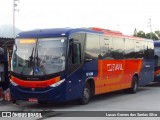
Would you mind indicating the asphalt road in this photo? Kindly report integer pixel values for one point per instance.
(146, 99)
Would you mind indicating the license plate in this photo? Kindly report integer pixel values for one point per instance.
(33, 100)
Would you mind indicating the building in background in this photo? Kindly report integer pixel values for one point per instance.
(6, 46)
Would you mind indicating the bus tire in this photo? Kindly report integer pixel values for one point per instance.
(134, 86)
(86, 95)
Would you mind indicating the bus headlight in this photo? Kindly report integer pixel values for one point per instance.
(13, 83)
(57, 83)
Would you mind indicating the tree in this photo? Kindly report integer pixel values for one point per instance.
(141, 34)
(135, 32)
(154, 36)
(157, 33)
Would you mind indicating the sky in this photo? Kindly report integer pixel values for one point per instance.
(121, 15)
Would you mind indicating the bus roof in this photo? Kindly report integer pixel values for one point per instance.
(61, 32)
(57, 32)
(108, 32)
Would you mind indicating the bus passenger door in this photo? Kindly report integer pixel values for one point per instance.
(75, 62)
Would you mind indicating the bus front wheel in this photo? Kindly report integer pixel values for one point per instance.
(86, 96)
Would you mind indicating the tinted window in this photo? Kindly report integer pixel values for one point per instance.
(78, 40)
(157, 55)
(106, 47)
(129, 48)
(150, 50)
(157, 51)
(76, 53)
(118, 45)
(76, 48)
(139, 49)
(92, 47)
(145, 50)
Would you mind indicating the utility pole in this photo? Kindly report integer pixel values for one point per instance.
(150, 26)
(15, 4)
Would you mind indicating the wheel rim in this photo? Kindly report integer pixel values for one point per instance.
(86, 94)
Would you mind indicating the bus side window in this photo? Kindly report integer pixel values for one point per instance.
(118, 45)
(76, 53)
(146, 53)
(105, 47)
(139, 49)
(150, 50)
(129, 49)
(74, 58)
(92, 50)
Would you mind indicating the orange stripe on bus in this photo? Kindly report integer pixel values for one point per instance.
(116, 74)
(35, 84)
(156, 72)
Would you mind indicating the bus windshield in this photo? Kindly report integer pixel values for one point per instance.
(39, 56)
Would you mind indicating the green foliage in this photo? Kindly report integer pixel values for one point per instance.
(157, 33)
(141, 34)
(153, 35)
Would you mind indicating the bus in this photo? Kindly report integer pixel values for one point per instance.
(157, 61)
(62, 64)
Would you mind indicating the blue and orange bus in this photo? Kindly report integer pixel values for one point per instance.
(157, 61)
(58, 65)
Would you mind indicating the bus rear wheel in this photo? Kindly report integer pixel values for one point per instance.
(86, 95)
(134, 86)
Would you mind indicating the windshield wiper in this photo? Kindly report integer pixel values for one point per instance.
(37, 58)
(31, 58)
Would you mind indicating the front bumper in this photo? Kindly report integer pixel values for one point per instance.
(48, 94)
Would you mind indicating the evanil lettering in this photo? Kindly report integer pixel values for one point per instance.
(114, 67)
